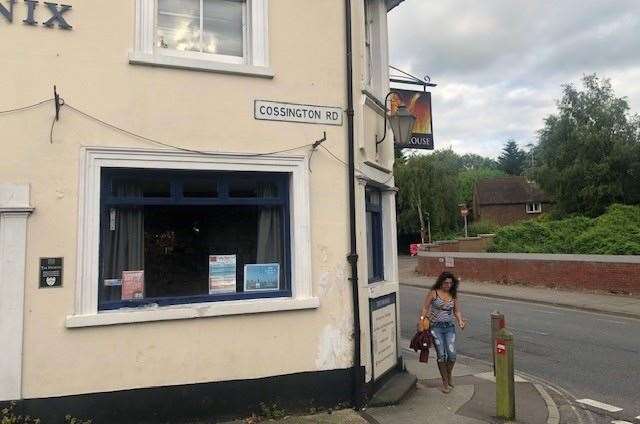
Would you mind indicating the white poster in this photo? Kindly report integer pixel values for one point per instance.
(383, 333)
(222, 274)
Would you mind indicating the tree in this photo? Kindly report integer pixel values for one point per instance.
(428, 185)
(588, 155)
(467, 178)
(512, 160)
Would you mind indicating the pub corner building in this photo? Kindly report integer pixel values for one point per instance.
(183, 222)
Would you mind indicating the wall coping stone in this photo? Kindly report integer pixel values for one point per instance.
(633, 259)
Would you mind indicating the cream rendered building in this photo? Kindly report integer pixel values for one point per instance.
(174, 246)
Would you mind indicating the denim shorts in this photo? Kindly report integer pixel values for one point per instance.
(444, 339)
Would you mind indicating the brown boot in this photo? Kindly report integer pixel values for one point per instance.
(442, 367)
(450, 365)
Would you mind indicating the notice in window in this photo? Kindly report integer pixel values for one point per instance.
(132, 285)
(261, 277)
(222, 274)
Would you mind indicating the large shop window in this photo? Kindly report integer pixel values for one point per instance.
(373, 204)
(173, 237)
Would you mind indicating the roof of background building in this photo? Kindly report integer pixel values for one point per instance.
(508, 191)
(393, 3)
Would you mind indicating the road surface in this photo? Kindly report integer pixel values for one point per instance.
(593, 356)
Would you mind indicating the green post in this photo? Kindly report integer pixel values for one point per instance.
(505, 387)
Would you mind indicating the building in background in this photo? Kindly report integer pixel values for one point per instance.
(506, 200)
(172, 242)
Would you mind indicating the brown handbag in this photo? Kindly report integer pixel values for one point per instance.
(424, 324)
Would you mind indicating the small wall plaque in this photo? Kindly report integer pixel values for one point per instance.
(51, 270)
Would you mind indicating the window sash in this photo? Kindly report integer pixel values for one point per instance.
(376, 255)
(246, 36)
(177, 179)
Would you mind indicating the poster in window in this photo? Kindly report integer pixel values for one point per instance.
(261, 277)
(418, 103)
(222, 274)
(132, 285)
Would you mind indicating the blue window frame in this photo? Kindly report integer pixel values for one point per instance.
(165, 225)
(373, 205)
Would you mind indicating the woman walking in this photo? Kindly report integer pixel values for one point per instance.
(442, 309)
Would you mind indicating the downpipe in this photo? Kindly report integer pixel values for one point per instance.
(358, 373)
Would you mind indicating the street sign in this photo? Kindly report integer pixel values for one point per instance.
(464, 212)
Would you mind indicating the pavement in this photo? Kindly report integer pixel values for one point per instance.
(472, 401)
(613, 304)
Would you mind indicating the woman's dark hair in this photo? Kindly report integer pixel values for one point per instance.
(454, 283)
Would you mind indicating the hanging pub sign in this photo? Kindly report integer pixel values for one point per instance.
(418, 103)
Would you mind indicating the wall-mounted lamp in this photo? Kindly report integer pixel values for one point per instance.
(401, 122)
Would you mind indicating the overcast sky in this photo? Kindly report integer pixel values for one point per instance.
(499, 64)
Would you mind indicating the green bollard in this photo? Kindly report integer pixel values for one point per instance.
(497, 323)
(505, 387)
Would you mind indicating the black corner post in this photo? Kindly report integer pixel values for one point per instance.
(352, 258)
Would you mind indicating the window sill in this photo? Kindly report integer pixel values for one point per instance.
(200, 310)
(136, 58)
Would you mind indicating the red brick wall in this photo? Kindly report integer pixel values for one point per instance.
(620, 277)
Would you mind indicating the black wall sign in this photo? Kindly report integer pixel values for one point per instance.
(56, 12)
(51, 270)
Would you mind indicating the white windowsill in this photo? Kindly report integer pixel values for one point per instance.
(136, 58)
(198, 310)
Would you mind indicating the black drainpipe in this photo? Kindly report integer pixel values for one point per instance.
(358, 374)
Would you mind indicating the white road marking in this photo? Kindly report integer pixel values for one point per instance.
(620, 422)
(638, 417)
(489, 376)
(541, 333)
(600, 405)
(610, 320)
(546, 312)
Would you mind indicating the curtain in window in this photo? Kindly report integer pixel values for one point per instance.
(269, 246)
(124, 243)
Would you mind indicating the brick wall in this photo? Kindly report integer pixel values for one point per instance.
(577, 272)
(470, 244)
(504, 214)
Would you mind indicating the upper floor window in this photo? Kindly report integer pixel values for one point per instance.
(216, 35)
(212, 27)
(375, 47)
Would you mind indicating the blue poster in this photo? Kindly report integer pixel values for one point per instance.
(261, 277)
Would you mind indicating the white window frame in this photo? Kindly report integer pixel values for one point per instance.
(376, 50)
(256, 45)
(86, 291)
(534, 207)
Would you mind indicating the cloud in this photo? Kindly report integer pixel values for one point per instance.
(500, 64)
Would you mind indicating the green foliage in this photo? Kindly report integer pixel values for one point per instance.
(513, 159)
(8, 416)
(272, 412)
(428, 181)
(483, 227)
(617, 232)
(588, 156)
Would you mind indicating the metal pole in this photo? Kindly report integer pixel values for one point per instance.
(505, 386)
(429, 226)
(497, 323)
(466, 232)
